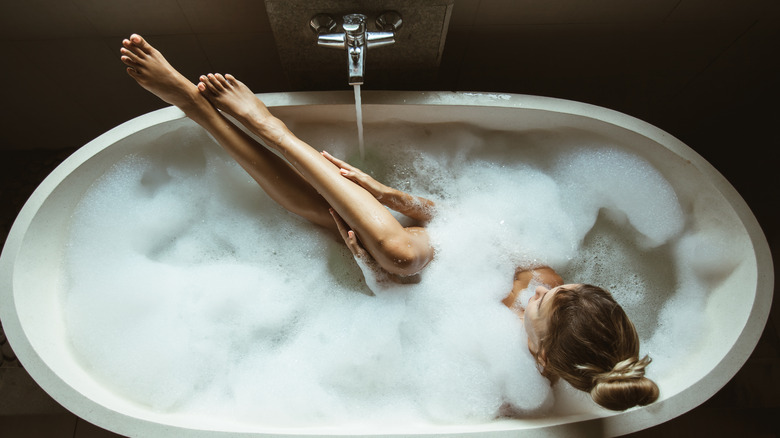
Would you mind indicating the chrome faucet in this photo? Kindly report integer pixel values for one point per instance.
(355, 39)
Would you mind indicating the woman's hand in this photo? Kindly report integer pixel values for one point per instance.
(364, 260)
(350, 238)
(415, 207)
(375, 276)
(377, 189)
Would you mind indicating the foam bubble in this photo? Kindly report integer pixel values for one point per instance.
(609, 178)
(192, 291)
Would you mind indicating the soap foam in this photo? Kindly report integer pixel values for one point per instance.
(191, 291)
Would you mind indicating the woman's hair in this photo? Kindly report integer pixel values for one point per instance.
(590, 342)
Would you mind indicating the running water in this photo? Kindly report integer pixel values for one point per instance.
(359, 112)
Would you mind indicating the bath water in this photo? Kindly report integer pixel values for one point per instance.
(359, 115)
(192, 292)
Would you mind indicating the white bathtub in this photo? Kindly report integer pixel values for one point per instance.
(31, 267)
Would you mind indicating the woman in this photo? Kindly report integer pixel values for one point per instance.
(579, 333)
(576, 332)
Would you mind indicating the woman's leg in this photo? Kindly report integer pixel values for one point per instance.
(150, 69)
(397, 249)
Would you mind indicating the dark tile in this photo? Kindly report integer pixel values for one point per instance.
(158, 17)
(21, 172)
(226, 16)
(636, 69)
(259, 68)
(39, 112)
(22, 396)
(757, 384)
(768, 346)
(85, 429)
(453, 57)
(38, 426)
(704, 422)
(722, 10)
(464, 13)
(511, 12)
(43, 19)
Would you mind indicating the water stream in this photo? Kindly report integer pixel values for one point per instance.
(359, 113)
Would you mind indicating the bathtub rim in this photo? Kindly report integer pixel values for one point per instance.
(630, 421)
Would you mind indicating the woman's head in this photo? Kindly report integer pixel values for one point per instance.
(579, 333)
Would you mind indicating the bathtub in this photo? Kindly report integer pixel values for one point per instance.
(31, 267)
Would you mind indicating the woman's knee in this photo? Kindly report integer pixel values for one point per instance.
(407, 254)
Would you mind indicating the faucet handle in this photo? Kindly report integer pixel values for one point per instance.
(389, 21)
(355, 29)
(322, 23)
(354, 23)
(323, 26)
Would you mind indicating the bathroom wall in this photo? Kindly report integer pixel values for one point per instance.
(706, 71)
(674, 63)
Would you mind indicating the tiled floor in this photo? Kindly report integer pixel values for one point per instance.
(748, 406)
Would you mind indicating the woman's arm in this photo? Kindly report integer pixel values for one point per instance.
(374, 275)
(415, 207)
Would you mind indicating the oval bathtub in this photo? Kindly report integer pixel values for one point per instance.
(33, 276)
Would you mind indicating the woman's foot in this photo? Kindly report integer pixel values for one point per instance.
(233, 97)
(151, 70)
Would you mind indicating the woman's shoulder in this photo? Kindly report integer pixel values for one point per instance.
(542, 274)
(524, 276)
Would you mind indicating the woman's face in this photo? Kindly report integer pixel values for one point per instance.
(537, 313)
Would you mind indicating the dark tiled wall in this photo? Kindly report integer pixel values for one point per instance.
(678, 64)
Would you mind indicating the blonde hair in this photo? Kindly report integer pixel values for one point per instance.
(590, 342)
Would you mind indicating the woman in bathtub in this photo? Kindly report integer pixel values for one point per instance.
(575, 331)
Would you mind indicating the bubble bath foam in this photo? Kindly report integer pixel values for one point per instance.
(184, 297)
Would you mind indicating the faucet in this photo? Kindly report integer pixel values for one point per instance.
(355, 39)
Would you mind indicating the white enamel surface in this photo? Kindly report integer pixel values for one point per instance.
(32, 276)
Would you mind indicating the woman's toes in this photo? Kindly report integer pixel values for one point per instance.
(141, 43)
(222, 81)
(129, 55)
(214, 81)
(206, 81)
(135, 50)
(128, 61)
(133, 72)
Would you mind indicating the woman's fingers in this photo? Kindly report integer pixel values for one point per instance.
(364, 260)
(347, 169)
(348, 235)
(341, 225)
(356, 175)
(334, 160)
(354, 246)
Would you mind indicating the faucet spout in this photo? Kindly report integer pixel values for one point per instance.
(356, 65)
(355, 31)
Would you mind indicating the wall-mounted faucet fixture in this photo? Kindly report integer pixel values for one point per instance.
(411, 62)
(355, 39)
